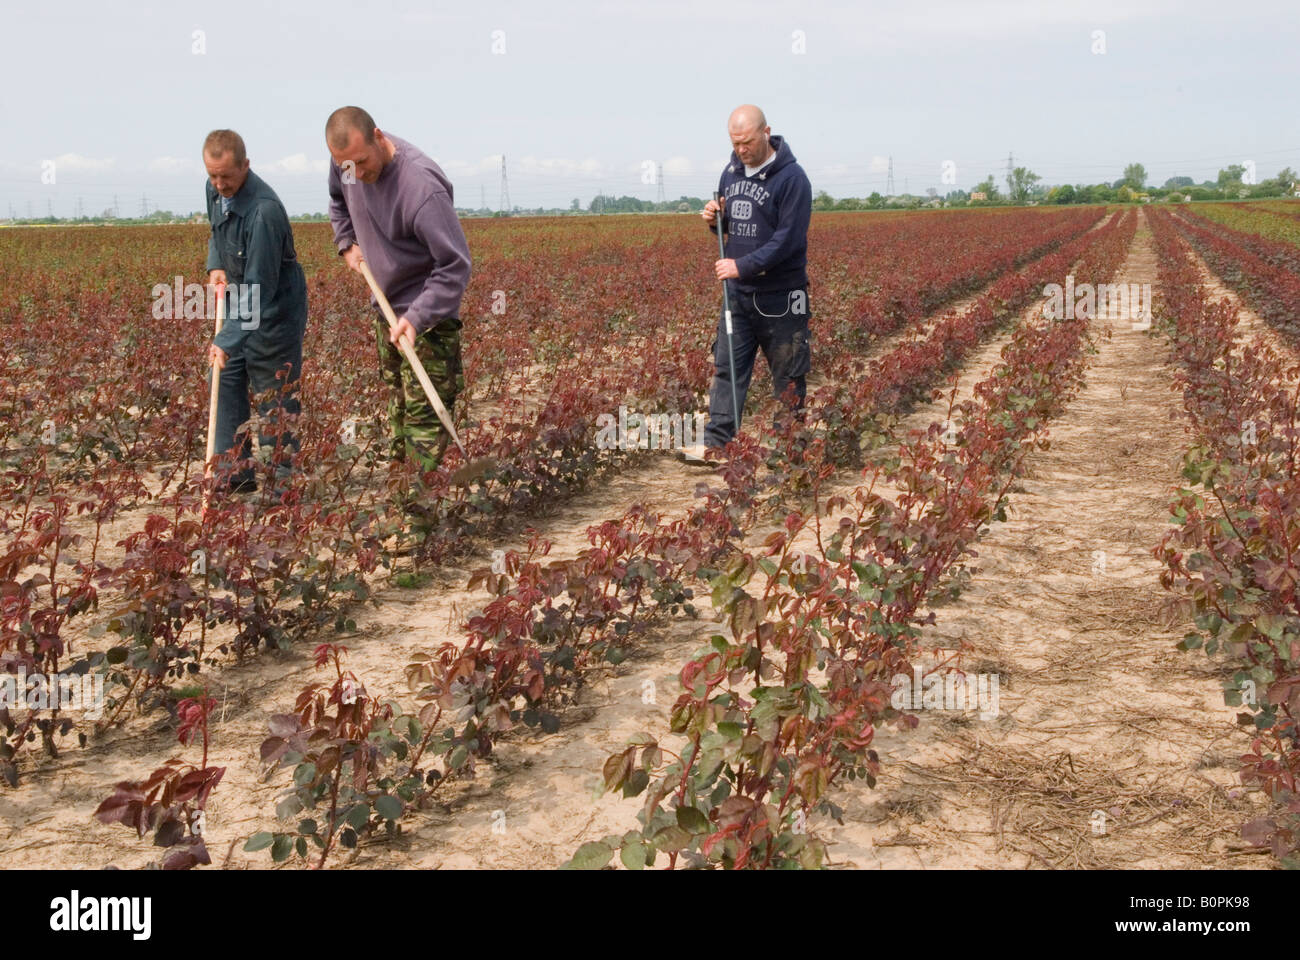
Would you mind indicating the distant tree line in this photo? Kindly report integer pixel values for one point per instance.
(601, 203)
(1026, 187)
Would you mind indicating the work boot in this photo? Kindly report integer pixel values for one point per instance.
(698, 454)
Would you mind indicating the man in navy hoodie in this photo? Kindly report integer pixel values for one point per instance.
(767, 204)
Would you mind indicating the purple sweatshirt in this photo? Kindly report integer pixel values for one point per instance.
(409, 234)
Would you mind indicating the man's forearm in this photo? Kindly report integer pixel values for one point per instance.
(344, 235)
(440, 299)
(438, 228)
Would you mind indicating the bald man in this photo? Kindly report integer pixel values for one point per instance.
(766, 207)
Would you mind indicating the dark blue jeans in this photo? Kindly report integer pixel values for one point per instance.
(774, 322)
(261, 363)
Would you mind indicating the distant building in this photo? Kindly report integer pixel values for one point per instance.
(978, 195)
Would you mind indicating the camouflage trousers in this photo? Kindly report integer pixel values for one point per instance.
(416, 430)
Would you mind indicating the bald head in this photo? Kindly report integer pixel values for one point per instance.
(746, 117)
(749, 134)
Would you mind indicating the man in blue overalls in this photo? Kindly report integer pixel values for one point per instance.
(260, 343)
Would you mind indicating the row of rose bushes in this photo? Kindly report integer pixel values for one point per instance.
(1231, 559)
(1265, 272)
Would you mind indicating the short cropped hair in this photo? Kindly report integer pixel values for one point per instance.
(221, 142)
(346, 119)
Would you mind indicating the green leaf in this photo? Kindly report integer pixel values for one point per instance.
(287, 807)
(388, 807)
(636, 782)
(671, 839)
(1270, 625)
(458, 758)
(281, 847)
(591, 856)
(633, 855)
(259, 841)
(692, 820)
(732, 731)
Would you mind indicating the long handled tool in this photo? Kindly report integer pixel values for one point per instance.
(212, 398)
(726, 316)
(470, 470)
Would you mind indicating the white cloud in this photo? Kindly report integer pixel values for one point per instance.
(678, 167)
(172, 165)
(298, 163)
(470, 168)
(75, 161)
(557, 167)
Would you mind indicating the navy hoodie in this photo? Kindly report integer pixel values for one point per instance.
(766, 219)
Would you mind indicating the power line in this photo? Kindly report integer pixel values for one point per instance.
(889, 180)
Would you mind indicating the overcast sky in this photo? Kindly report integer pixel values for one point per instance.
(584, 97)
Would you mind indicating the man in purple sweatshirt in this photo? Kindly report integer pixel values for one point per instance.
(392, 206)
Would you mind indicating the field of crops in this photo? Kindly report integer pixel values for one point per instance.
(608, 657)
